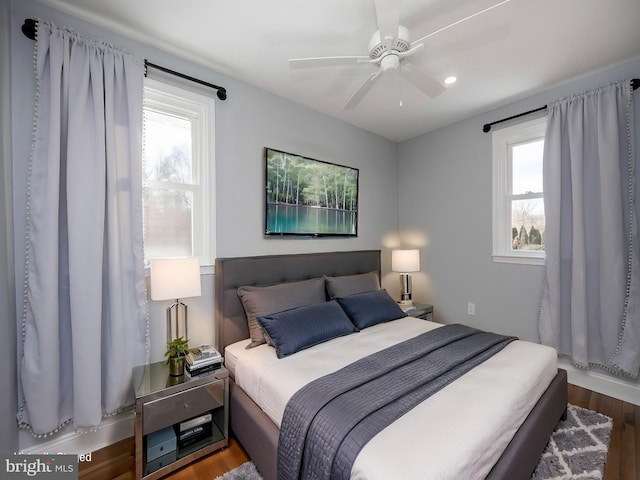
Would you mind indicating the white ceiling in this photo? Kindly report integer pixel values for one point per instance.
(507, 53)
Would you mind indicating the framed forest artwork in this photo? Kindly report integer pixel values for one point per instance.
(308, 197)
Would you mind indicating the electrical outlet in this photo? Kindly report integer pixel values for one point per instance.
(471, 308)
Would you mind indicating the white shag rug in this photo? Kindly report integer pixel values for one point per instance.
(578, 447)
(246, 471)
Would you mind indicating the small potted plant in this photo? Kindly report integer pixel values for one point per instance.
(176, 351)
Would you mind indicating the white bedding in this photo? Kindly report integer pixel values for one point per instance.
(458, 433)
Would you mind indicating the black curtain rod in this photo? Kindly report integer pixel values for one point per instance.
(635, 84)
(221, 91)
(487, 126)
(29, 30)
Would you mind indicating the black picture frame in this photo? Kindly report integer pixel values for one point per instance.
(308, 197)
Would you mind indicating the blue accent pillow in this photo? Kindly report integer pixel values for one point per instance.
(299, 328)
(370, 308)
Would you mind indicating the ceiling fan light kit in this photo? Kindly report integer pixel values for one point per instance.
(389, 62)
(389, 47)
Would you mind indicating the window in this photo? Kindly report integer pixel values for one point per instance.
(518, 198)
(178, 173)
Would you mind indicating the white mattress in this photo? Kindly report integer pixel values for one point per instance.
(460, 432)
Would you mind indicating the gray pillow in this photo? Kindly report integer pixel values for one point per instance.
(277, 298)
(352, 284)
(303, 327)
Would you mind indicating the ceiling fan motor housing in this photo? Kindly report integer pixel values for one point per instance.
(377, 46)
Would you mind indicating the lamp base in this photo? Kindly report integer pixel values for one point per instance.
(405, 290)
(176, 306)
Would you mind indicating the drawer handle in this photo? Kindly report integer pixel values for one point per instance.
(186, 405)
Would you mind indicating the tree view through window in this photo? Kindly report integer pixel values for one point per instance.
(527, 201)
(168, 195)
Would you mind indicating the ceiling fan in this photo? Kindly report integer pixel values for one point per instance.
(389, 48)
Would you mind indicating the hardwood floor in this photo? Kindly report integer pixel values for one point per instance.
(116, 462)
(623, 462)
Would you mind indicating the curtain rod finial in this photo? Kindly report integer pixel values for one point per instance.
(29, 28)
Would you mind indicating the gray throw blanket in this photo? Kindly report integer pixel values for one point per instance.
(327, 422)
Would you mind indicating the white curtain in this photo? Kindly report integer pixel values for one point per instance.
(84, 323)
(590, 310)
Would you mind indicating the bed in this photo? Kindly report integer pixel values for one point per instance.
(257, 426)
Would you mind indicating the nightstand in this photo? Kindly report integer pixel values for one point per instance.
(178, 419)
(423, 311)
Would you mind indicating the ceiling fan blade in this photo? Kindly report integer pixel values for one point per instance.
(388, 15)
(327, 61)
(458, 22)
(362, 90)
(423, 82)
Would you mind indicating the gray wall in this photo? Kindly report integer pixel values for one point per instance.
(8, 427)
(251, 120)
(445, 193)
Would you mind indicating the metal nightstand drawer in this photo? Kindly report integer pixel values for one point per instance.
(180, 406)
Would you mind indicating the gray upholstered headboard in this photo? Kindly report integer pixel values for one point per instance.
(231, 273)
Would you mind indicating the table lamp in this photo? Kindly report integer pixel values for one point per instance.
(173, 279)
(405, 261)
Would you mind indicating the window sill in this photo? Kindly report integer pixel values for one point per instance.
(519, 259)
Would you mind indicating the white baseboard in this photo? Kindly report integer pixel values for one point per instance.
(111, 430)
(616, 387)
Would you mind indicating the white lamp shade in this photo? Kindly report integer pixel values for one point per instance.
(174, 278)
(405, 261)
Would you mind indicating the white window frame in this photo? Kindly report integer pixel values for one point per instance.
(200, 109)
(502, 141)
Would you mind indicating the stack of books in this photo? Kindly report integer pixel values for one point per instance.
(202, 359)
